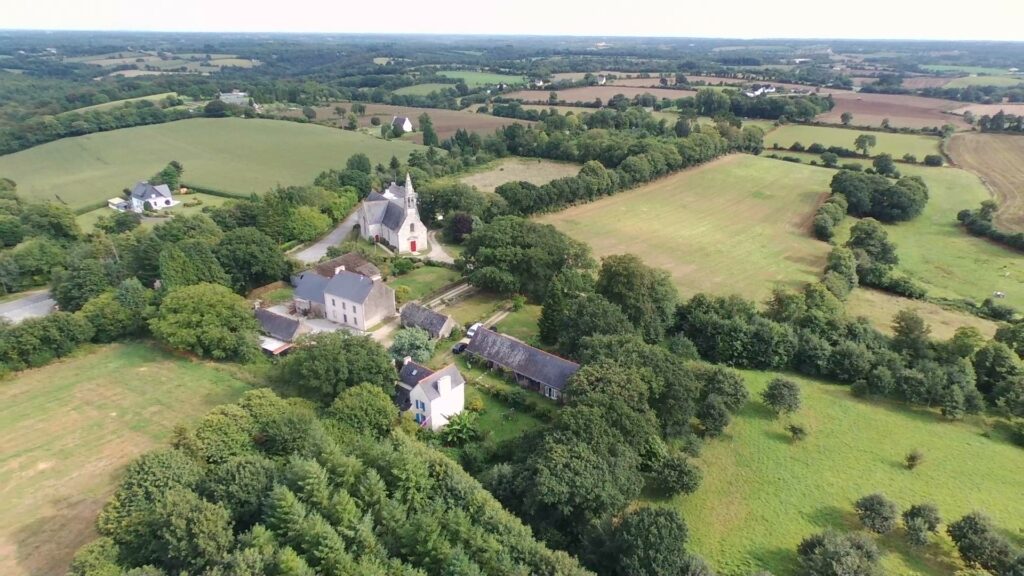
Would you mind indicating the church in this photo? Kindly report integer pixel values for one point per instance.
(393, 218)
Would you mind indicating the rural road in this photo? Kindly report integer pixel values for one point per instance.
(317, 250)
(437, 253)
(31, 305)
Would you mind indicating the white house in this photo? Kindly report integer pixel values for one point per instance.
(602, 79)
(346, 290)
(433, 398)
(144, 196)
(393, 217)
(235, 97)
(402, 122)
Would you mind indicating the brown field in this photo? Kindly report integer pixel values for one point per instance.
(997, 160)
(990, 109)
(879, 308)
(716, 80)
(918, 82)
(901, 110)
(863, 80)
(533, 170)
(590, 93)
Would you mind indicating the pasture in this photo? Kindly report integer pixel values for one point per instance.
(888, 143)
(422, 89)
(900, 110)
(153, 63)
(533, 170)
(69, 428)
(964, 69)
(740, 224)
(762, 493)
(996, 159)
(475, 79)
(591, 93)
(880, 307)
(115, 103)
(229, 154)
(1001, 81)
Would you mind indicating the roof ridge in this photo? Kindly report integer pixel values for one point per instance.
(527, 345)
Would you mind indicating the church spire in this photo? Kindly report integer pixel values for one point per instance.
(410, 196)
(408, 184)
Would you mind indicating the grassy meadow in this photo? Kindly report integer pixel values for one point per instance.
(534, 170)
(888, 143)
(477, 79)
(422, 89)
(762, 493)
(229, 154)
(116, 103)
(880, 308)
(68, 429)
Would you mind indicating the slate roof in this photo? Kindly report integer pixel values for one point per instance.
(400, 121)
(522, 358)
(310, 286)
(350, 286)
(145, 191)
(394, 216)
(421, 317)
(430, 382)
(350, 261)
(411, 373)
(278, 326)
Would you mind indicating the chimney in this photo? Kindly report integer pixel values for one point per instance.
(444, 385)
(339, 269)
(406, 360)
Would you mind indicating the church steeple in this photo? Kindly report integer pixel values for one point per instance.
(410, 195)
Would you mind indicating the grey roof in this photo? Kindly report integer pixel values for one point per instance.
(375, 196)
(399, 120)
(278, 326)
(310, 286)
(375, 208)
(145, 191)
(396, 189)
(522, 358)
(429, 383)
(411, 373)
(350, 286)
(421, 317)
(349, 261)
(394, 216)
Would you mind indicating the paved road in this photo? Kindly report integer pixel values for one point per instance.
(31, 305)
(314, 252)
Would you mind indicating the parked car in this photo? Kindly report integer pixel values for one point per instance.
(459, 347)
(472, 329)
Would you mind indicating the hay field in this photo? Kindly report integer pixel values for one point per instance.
(475, 79)
(998, 159)
(739, 224)
(67, 431)
(591, 93)
(880, 307)
(533, 170)
(762, 493)
(888, 143)
(422, 89)
(901, 110)
(1001, 81)
(229, 154)
(990, 109)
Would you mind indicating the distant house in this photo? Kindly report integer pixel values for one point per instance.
(279, 331)
(766, 89)
(235, 97)
(437, 325)
(393, 217)
(538, 83)
(144, 196)
(352, 299)
(432, 397)
(402, 122)
(602, 79)
(533, 368)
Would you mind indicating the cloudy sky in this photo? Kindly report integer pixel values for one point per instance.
(911, 19)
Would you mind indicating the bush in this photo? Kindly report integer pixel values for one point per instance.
(877, 513)
(796, 432)
(933, 160)
(400, 266)
(676, 475)
(782, 396)
(920, 521)
(914, 459)
(834, 554)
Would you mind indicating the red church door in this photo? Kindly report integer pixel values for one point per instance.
(412, 246)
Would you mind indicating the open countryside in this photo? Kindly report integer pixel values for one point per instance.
(536, 171)
(996, 159)
(894, 144)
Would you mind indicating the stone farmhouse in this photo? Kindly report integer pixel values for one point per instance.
(532, 368)
(392, 217)
(439, 326)
(434, 398)
(344, 296)
(279, 331)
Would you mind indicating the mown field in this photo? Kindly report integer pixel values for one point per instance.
(762, 493)
(422, 89)
(739, 224)
(533, 170)
(116, 103)
(998, 159)
(68, 429)
(229, 154)
(888, 143)
(423, 281)
(475, 79)
(899, 109)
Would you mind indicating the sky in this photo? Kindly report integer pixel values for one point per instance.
(895, 19)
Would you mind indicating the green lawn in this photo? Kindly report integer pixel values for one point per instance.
(422, 89)
(534, 170)
(740, 224)
(424, 280)
(964, 69)
(476, 308)
(522, 324)
(888, 143)
(499, 421)
(762, 493)
(230, 154)
(477, 79)
(68, 429)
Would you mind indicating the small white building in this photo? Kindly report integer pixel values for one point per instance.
(602, 79)
(393, 218)
(235, 98)
(144, 196)
(402, 122)
(433, 398)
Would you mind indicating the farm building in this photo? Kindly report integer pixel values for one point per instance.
(279, 331)
(402, 122)
(393, 217)
(437, 325)
(432, 397)
(235, 97)
(349, 261)
(533, 368)
(352, 299)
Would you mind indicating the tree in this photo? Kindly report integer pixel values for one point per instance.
(864, 143)
(323, 365)
(11, 231)
(677, 475)
(589, 315)
(427, 129)
(796, 432)
(921, 520)
(309, 113)
(192, 533)
(215, 109)
(251, 258)
(120, 313)
(979, 543)
(359, 162)
(364, 409)
(190, 262)
(877, 513)
(830, 159)
(208, 320)
(119, 222)
(910, 334)
(82, 281)
(846, 118)
(648, 542)
(50, 219)
(645, 295)
(870, 237)
(995, 363)
(834, 554)
(782, 395)
(884, 164)
(714, 418)
(414, 343)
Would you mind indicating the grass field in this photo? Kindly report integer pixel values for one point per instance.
(424, 280)
(964, 69)
(116, 103)
(532, 170)
(590, 93)
(230, 154)
(522, 324)
(880, 307)
(895, 144)
(68, 429)
(762, 494)
(477, 79)
(422, 89)
(996, 159)
(1002, 81)
(736, 225)
(476, 308)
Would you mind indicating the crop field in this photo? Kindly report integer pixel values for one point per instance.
(533, 170)
(762, 493)
(918, 82)
(1002, 81)
(68, 429)
(997, 160)
(888, 143)
(477, 79)
(422, 89)
(980, 110)
(740, 224)
(591, 93)
(901, 110)
(229, 154)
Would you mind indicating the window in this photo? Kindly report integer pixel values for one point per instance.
(344, 306)
(346, 318)
(333, 303)
(412, 226)
(354, 310)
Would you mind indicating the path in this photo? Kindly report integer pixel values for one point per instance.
(314, 252)
(31, 305)
(437, 252)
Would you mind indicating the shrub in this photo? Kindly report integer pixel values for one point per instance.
(933, 160)
(920, 521)
(782, 395)
(914, 459)
(877, 513)
(834, 554)
(796, 432)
